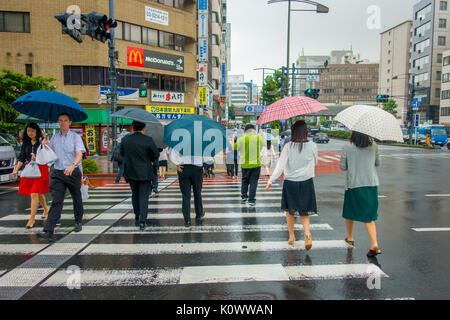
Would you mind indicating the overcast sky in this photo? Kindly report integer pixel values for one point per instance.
(259, 30)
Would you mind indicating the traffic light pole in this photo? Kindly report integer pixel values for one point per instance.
(113, 77)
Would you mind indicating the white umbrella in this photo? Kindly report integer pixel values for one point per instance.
(373, 121)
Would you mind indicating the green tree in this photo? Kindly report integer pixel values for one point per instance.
(12, 86)
(391, 107)
(271, 93)
(323, 121)
(231, 112)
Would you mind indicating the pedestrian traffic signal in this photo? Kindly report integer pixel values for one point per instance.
(143, 89)
(382, 98)
(98, 26)
(72, 25)
(312, 93)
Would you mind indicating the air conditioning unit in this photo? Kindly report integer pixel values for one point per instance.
(418, 51)
(418, 67)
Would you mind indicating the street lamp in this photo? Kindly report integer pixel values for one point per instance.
(262, 84)
(319, 9)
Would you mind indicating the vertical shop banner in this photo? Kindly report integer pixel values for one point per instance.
(203, 74)
(202, 97)
(203, 49)
(90, 138)
(202, 5)
(223, 80)
(104, 142)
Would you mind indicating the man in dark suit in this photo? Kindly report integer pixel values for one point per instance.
(139, 152)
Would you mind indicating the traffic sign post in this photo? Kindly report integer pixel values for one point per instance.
(415, 105)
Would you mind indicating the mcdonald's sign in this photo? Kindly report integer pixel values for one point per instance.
(135, 57)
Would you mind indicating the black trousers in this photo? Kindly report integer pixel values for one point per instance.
(59, 183)
(191, 177)
(140, 193)
(250, 178)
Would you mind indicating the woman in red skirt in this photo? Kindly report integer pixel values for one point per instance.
(34, 187)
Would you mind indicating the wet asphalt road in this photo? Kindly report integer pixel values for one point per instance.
(415, 264)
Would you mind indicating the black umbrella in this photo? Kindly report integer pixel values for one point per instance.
(156, 131)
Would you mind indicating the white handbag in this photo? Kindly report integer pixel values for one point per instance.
(45, 155)
(31, 170)
(84, 189)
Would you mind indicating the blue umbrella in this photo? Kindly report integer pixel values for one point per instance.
(48, 105)
(136, 114)
(194, 135)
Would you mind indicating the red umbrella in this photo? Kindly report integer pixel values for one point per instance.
(290, 107)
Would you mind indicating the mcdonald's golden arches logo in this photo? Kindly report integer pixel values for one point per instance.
(135, 57)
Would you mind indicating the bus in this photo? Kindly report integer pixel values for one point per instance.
(438, 134)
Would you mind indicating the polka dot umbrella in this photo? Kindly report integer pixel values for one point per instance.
(373, 121)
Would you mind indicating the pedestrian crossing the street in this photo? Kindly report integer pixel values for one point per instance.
(234, 243)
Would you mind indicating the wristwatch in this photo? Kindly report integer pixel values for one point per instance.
(74, 164)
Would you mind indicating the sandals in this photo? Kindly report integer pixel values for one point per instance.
(372, 253)
(291, 241)
(352, 243)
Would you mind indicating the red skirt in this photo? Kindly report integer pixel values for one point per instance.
(39, 185)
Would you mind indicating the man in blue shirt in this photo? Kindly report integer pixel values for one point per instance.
(67, 174)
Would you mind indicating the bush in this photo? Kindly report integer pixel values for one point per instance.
(90, 166)
(339, 134)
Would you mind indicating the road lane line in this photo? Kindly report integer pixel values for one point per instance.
(430, 229)
(438, 195)
(206, 247)
(213, 274)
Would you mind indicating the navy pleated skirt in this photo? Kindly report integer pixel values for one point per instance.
(299, 196)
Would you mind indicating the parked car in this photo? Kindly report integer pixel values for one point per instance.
(12, 141)
(321, 138)
(7, 161)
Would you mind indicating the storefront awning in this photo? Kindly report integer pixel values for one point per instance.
(99, 116)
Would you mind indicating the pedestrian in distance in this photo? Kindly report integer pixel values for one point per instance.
(155, 181)
(36, 188)
(163, 165)
(235, 166)
(359, 158)
(297, 161)
(249, 146)
(268, 156)
(190, 176)
(66, 174)
(140, 153)
(117, 157)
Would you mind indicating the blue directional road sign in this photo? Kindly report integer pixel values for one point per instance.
(416, 120)
(415, 105)
(254, 109)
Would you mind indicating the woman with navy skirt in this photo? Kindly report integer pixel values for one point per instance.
(298, 160)
(33, 187)
(359, 158)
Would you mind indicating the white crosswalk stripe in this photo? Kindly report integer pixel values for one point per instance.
(225, 232)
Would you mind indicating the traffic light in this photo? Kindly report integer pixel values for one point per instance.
(312, 93)
(98, 26)
(143, 89)
(382, 98)
(72, 25)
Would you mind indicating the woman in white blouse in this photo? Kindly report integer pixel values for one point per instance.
(297, 161)
(268, 156)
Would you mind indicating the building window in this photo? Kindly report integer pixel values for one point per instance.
(437, 93)
(445, 112)
(421, 46)
(420, 15)
(118, 32)
(446, 77)
(136, 33)
(420, 31)
(443, 23)
(441, 41)
(214, 17)
(150, 36)
(215, 40)
(443, 6)
(438, 75)
(180, 42)
(420, 63)
(439, 58)
(29, 70)
(167, 40)
(446, 61)
(215, 62)
(14, 21)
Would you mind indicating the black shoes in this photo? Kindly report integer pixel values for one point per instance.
(142, 226)
(244, 200)
(200, 218)
(46, 236)
(136, 222)
(155, 190)
(78, 227)
(187, 224)
(252, 204)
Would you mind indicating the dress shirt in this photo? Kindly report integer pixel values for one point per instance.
(66, 147)
(178, 159)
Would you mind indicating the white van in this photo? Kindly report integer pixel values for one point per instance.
(7, 161)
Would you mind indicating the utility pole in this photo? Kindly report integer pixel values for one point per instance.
(113, 76)
(288, 44)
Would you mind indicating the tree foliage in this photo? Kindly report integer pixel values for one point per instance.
(12, 86)
(391, 107)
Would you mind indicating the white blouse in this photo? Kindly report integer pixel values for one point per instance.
(296, 166)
